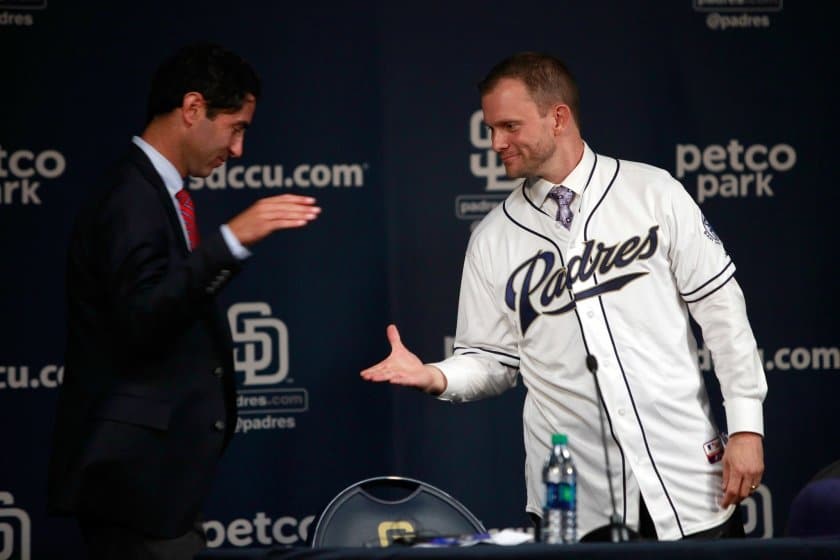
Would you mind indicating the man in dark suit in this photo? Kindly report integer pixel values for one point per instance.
(148, 400)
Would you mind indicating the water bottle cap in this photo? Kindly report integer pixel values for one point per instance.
(559, 439)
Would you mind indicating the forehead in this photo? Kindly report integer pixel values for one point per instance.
(509, 99)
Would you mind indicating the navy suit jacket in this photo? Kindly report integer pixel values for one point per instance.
(147, 403)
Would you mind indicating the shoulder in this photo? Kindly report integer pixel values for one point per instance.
(645, 174)
(125, 196)
(648, 182)
(495, 223)
(498, 229)
(129, 180)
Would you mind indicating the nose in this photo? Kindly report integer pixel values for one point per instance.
(236, 146)
(499, 140)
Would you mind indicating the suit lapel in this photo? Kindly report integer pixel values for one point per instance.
(139, 158)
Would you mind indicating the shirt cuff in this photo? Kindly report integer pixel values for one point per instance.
(236, 248)
(456, 379)
(744, 415)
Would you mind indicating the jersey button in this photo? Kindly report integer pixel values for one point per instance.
(219, 425)
(590, 314)
(621, 412)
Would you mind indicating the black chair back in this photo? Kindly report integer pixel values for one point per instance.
(382, 511)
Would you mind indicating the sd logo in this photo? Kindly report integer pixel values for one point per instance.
(13, 522)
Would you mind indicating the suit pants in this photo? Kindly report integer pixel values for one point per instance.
(111, 542)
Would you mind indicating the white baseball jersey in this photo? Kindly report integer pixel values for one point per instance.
(639, 257)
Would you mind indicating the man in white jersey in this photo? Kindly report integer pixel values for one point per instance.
(594, 256)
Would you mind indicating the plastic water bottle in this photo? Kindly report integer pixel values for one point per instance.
(560, 480)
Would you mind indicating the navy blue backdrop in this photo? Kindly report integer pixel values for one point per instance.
(372, 108)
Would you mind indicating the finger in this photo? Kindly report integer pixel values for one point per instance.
(728, 498)
(289, 212)
(746, 488)
(731, 491)
(295, 198)
(378, 370)
(726, 471)
(393, 336)
(288, 224)
(376, 375)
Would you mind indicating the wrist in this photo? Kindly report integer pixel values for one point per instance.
(438, 383)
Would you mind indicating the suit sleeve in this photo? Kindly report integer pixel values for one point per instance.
(705, 279)
(153, 291)
(486, 358)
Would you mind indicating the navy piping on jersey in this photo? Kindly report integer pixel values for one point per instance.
(591, 173)
(600, 200)
(709, 281)
(621, 453)
(531, 202)
(713, 291)
(621, 366)
(512, 357)
(577, 316)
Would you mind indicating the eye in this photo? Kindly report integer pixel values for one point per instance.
(511, 127)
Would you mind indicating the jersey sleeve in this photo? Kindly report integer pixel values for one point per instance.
(698, 259)
(722, 316)
(486, 357)
(704, 274)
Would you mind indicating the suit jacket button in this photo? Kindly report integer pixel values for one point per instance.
(218, 372)
(219, 426)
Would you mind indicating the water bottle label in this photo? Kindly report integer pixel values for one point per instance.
(552, 495)
(567, 496)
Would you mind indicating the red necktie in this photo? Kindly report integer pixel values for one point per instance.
(188, 213)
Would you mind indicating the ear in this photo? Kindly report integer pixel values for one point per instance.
(562, 117)
(193, 108)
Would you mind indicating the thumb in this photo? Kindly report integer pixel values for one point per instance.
(393, 336)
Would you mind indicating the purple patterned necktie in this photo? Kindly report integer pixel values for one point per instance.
(563, 197)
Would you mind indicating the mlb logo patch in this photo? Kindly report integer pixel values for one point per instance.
(714, 450)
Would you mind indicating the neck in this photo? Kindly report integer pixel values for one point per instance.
(567, 157)
(164, 136)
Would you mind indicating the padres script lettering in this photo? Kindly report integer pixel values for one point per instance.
(540, 284)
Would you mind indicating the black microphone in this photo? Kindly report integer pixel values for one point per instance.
(615, 531)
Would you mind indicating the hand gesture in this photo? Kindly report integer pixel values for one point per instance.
(273, 213)
(402, 367)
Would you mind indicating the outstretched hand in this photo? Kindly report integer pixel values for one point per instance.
(402, 367)
(273, 213)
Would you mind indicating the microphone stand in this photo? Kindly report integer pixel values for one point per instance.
(615, 531)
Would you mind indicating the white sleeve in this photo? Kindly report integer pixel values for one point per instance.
(486, 360)
(705, 279)
(726, 331)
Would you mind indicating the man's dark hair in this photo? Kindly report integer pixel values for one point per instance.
(547, 79)
(224, 79)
